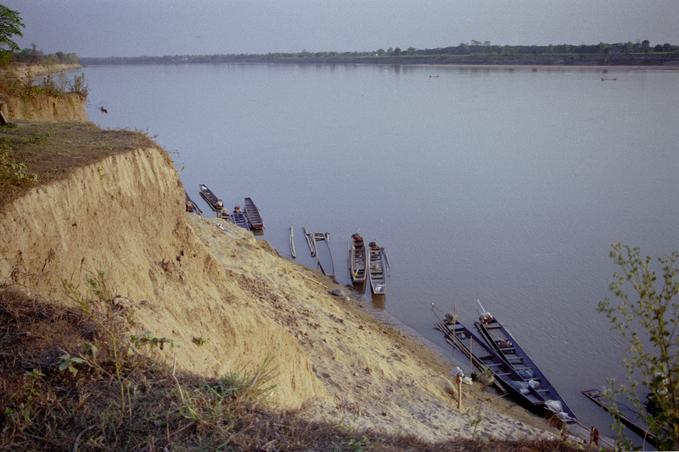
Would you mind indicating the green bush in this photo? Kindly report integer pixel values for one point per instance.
(13, 172)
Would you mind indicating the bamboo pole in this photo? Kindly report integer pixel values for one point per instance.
(458, 380)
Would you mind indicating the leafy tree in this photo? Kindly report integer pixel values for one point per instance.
(647, 317)
(10, 26)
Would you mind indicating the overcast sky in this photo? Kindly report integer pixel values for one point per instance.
(168, 27)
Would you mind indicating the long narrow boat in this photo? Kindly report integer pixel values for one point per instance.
(191, 205)
(376, 269)
(239, 219)
(504, 344)
(210, 198)
(293, 253)
(325, 262)
(622, 412)
(357, 259)
(483, 357)
(309, 241)
(252, 214)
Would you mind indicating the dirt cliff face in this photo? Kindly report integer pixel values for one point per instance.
(124, 216)
(223, 300)
(43, 108)
(38, 105)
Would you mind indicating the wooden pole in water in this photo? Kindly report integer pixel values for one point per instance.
(292, 242)
(471, 360)
(458, 380)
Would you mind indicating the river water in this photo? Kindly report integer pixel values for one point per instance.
(502, 185)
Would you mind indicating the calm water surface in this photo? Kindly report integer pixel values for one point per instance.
(506, 186)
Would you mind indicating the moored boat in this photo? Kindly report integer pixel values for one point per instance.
(239, 218)
(357, 259)
(376, 269)
(210, 198)
(483, 357)
(629, 417)
(253, 215)
(504, 344)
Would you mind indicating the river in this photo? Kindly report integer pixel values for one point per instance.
(503, 185)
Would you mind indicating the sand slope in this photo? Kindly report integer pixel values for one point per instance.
(228, 302)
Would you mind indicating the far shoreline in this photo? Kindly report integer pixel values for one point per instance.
(529, 67)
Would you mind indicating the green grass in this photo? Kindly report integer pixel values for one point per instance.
(51, 151)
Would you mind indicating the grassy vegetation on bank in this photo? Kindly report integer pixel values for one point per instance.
(32, 153)
(51, 85)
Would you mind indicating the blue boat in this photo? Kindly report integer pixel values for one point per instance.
(483, 357)
(239, 218)
(504, 344)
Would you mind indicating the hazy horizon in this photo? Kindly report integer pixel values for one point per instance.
(175, 27)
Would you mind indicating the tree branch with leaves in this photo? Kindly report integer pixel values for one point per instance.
(646, 314)
(10, 26)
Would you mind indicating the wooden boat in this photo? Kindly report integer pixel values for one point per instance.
(325, 262)
(483, 357)
(626, 414)
(504, 344)
(210, 198)
(191, 206)
(239, 218)
(376, 269)
(293, 253)
(357, 259)
(252, 214)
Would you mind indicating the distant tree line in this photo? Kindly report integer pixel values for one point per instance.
(486, 48)
(474, 52)
(34, 55)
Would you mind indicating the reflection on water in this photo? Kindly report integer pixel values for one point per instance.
(379, 301)
(507, 185)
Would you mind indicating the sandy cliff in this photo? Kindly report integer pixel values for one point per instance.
(68, 107)
(125, 217)
(38, 106)
(187, 279)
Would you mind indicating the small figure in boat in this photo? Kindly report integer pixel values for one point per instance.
(103, 110)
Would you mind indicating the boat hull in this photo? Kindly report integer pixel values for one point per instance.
(483, 357)
(504, 344)
(376, 271)
(253, 216)
(210, 198)
(357, 261)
